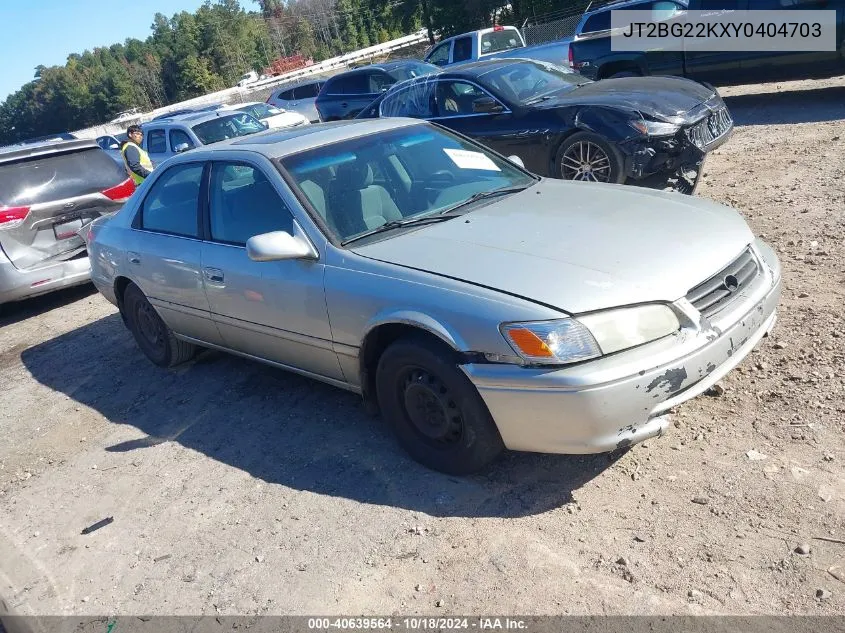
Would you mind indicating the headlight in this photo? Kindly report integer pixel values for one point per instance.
(655, 128)
(572, 340)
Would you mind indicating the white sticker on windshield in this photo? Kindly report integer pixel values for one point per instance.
(466, 159)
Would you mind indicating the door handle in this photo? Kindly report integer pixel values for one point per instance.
(344, 105)
(134, 258)
(213, 274)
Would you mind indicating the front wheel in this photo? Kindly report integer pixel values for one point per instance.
(153, 336)
(589, 157)
(435, 411)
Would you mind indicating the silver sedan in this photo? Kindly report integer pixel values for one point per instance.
(477, 306)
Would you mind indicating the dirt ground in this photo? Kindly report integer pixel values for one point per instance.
(239, 489)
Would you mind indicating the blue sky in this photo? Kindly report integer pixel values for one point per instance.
(47, 31)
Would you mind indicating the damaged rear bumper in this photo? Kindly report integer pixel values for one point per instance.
(622, 399)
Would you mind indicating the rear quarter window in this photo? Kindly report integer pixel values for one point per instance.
(58, 176)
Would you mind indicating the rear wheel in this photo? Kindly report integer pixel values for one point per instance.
(435, 411)
(153, 336)
(589, 157)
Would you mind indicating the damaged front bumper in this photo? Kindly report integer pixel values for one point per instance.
(676, 162)
(623, 399)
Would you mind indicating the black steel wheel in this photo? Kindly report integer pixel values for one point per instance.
(153, 336)
(589, 157)
(435, 411)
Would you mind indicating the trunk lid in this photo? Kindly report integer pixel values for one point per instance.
(59, 187)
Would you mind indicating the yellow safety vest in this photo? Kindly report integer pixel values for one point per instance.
(145, 162)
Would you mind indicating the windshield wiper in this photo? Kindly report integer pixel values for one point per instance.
(398, 224)
(483, 195)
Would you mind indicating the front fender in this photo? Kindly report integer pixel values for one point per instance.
(414, 318)
(610, 123)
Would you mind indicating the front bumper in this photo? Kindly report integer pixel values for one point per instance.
(16, 284)
(622, 399)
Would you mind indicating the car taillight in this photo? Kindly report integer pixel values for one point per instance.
(571, 58)
(120, 192)
(11, 217)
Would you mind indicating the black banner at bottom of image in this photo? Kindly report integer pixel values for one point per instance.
(408, 624)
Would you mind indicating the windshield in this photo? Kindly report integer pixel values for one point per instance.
(413, 172)
(225, 127)
(411, 70)
(261, 110)
(496, 41)
(528, 81)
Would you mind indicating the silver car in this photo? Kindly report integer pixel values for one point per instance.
(167, 137)
(478, 306)
(48, 192)
(298, 97)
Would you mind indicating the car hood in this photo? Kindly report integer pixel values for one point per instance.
(664, 98)
(577, 247)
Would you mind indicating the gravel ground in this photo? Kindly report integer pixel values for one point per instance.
(239, 489)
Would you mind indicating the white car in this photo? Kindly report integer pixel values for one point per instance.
(274, 117)
(247, 78)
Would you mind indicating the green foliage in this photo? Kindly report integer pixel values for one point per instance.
(191, 54)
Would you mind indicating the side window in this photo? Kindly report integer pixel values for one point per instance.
(379, 81)
(171, 204)
(156, 142)
(178, 137)
(307, 91)
(286, 95)
(440, 55)
(355, 84)
(463, 49)
(243, 203)
(416, 101)
(455, 98)
(598, 22)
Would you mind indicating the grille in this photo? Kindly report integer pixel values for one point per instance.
(726, 285)
(711, 129)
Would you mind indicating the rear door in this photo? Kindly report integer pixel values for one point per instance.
(717, 67)
(789, 64)
(45, 199)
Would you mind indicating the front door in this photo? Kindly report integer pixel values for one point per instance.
(272, 310)
(164, 252)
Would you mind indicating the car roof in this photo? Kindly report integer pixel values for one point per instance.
(386, 66)
(300, 82)
(481, 67)
(192, 118)
(615, 4)
(288, 141)
(14, 153)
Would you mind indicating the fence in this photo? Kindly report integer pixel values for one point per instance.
(260, 90)
(552, 30)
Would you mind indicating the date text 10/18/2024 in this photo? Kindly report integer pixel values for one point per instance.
(416, 624)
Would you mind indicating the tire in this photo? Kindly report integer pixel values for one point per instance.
(435, 411)
(153, 336)
(581, 148)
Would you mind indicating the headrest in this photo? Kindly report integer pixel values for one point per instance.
(353, 176)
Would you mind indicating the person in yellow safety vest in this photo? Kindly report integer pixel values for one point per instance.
(136, 160)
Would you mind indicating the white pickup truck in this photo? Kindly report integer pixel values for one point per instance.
(495, 42)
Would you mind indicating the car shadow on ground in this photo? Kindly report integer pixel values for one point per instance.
(285, 429)
(16, 311)
(789, 106)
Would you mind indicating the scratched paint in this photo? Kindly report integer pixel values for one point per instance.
(671, 379)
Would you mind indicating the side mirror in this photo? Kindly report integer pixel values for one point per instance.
(487, 105)
(278, 246)
(181, 147)
(265, 125)
(516, 160)
(114, 146)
